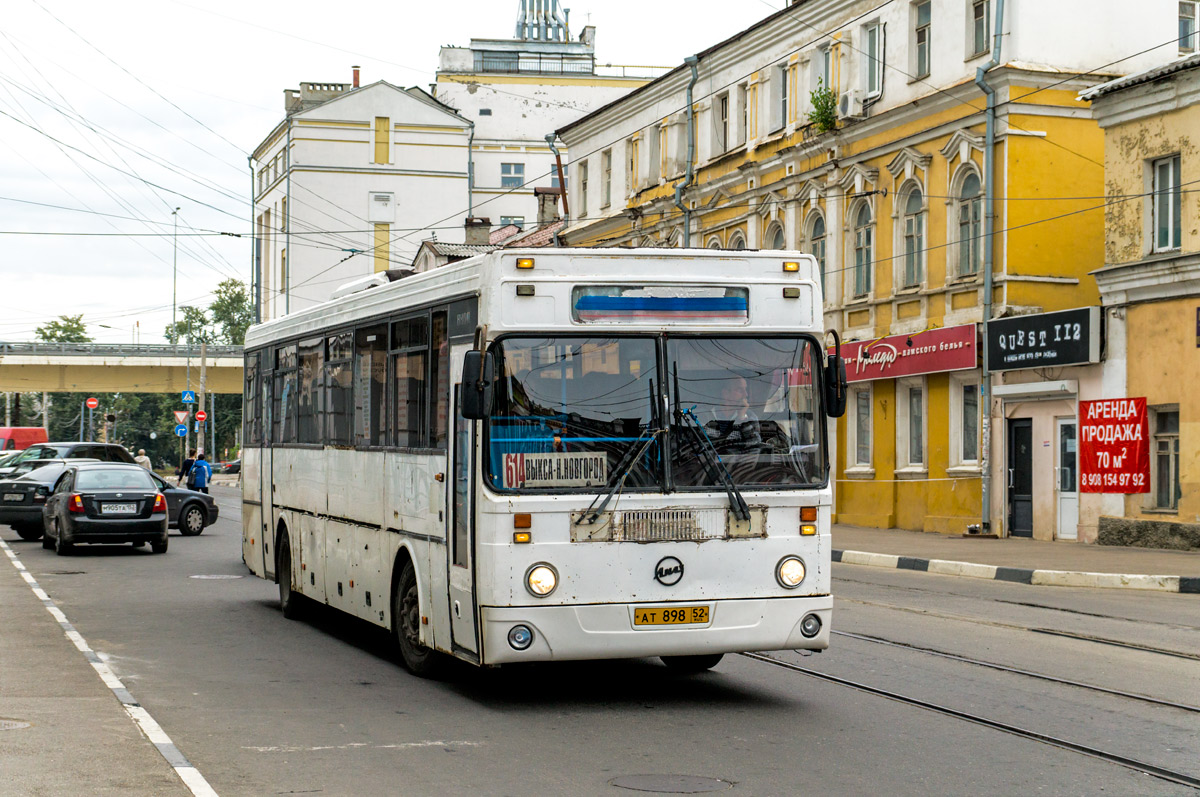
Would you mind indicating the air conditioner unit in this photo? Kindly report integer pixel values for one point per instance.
(850, 105)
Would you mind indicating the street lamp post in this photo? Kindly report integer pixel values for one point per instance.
(174, 266)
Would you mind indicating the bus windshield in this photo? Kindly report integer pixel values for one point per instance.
(579, 414)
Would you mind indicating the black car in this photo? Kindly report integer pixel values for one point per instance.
(23, 494)
(104, 452)
(104, 502)
(189, 511)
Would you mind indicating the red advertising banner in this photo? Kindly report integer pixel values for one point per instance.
(929, 352)
(1114, 446)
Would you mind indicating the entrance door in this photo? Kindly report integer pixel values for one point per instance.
(1068, 481)
(461, 528)
(1020, 477)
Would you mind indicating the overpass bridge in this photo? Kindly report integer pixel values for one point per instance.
(116, 367)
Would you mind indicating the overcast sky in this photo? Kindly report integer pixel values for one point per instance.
(114, 114)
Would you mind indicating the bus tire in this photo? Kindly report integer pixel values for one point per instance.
(692, 664)
(406, 625)
(290, 601)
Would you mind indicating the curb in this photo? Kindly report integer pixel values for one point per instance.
(1019, 575)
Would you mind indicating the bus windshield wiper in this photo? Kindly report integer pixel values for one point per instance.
(625, 466)
(713, 464)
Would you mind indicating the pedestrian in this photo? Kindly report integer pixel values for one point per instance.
(186, 468)
(143, 460)
(200, 475)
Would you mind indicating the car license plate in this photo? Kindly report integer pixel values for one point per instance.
(14, 496)
(118, 509)
(670, 615)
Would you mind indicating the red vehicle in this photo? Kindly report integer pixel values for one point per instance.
(19, 438)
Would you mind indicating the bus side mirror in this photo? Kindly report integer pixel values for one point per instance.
(478, 380)
(835, 380)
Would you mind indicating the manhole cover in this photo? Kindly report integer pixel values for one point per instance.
(671, 784)
(215, 577)
(12, 725)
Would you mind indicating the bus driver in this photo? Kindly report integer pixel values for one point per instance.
(734, 425)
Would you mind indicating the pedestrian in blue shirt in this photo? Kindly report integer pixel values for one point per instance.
(200, 475)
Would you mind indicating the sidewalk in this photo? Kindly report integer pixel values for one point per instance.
(1020, 560)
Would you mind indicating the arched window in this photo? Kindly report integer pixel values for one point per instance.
(913, 225)
(714, 243)
(864, 250)
(737, 241)
(970, 227)
(816, 243)
(776, 238)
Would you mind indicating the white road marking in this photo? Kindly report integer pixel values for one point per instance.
(187, 773)
(360, 745)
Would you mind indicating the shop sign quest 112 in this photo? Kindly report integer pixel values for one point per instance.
(1114, 446)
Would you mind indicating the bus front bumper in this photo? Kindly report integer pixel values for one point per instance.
(607, 631)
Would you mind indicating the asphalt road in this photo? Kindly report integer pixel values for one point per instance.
(261, 705)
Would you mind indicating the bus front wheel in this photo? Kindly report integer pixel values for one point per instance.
(406, 625)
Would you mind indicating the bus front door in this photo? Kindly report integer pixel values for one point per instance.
(461, 531)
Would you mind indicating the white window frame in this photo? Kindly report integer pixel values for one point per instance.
(1172, 207)
(974, 50)
(778, 92)
(959, 463)
(919, 230)
(511, 171)
(810, 245)
(1189, 34)
(721, 123)
(517, 221)
(873, 55)
(905, 463)
(853, 466)
(583, 189)
(606, 167)
(776, 229)
(861, 238)
(975, 245)
(742, 115)
(921, 40)
(1173, 458)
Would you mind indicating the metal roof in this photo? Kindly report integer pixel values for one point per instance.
(1139, 78)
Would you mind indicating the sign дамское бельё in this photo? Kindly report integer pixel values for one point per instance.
(929, 352)
(1066, 337)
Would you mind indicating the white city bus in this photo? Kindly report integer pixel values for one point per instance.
(553, 454)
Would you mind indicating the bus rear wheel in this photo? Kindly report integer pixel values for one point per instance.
(406, 625)
(692, 664)
(290, 601)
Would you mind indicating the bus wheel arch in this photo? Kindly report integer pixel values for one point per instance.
(407, 617)
(291, 602)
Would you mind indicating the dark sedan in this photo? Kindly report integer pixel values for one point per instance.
(23, 493)
(104, 503)
(190, 511)
(104, 452)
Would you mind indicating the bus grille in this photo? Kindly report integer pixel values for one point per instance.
(657, 525)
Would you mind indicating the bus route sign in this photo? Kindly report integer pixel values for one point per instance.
(1114, 446)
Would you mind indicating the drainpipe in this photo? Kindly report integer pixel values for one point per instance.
(255, 252)
(471, 171)
(562, 183)
(691, 61)
(989, 226)
(287, 234)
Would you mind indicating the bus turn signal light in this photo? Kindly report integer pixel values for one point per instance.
(522, 537)
(524, 262)
(808, 514)
(522, 520)
(808, 531)
(791, 265)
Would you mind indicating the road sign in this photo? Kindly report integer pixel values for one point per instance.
(189, 397)
(201, 415)
(181, 431)
(181, 416)
(92, 403)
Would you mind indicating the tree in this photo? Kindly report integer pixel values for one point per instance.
(64, 329)
(194, 327)
(232, 311)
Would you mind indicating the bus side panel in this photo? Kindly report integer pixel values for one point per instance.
(252, 511)
(341, 552)
(355, 486)
(415, 500)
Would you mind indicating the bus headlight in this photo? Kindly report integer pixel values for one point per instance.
(541, 579)
(790, 572)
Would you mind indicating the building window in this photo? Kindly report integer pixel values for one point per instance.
(914, 239)
(776, 238)
(910, 425)
(779, 95)
(743, 113)
(583, 189)
(516, 221)
(862, 427)
(485, 111)
(970, 228)
(721, 124)
(864, 245)
(512, 175)
(554, 181)
(1187, 27)
(825, 69)
(655, 136)
(874, 59)
(383, 126)
(923, 17)
(606, 192)
(969, 450)
(713, 243)
(631, 174)
(737, 241)
(1168, 227)
(981, 26)
(816, 243)
(1166, 459)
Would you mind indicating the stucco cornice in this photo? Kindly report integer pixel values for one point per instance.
(1151, 279)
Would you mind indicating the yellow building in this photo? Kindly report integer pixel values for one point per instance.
(890, 192)
(1150, 287)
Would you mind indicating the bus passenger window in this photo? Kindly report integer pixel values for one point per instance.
(410, 342)
(309, 393)
(439, 380)
(284, 408)
(370, 382)
(337, 390)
